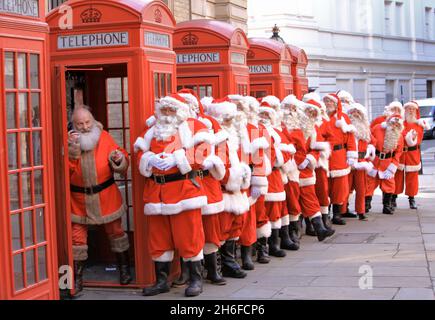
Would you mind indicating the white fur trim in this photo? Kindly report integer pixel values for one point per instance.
(268, 165)
(169, 101)
(186, 135)
(318, 214)
(345, 128)
(279, 161)
(290, 148)
(206, 122)
(312, 160)
(324, 210)
(222, 110)
(285, 221)
(293, 175)
(175, 208)
(182, 161)
(413, 168)
(392, 167)
(151, 121)
(423, 123)
(320, 146)
(292, 100)
(367, 166)
(352, 155)
(236, 203)
(289, 166)
(198, 257)
(139, 144)
(409, 140)
(276, 224)
(259, 144)
(143, 164)
(371, 152)
(206, 101)
(307, 182)
(339, 173)
(265, 231)
(384, 125)
(294, 218)
(246, 181)
(144, 143)
(259, 181)
(221, 136)
(272, 100)
(210, 248)
(168, 256)
(275, 197)
(373, 173)
(235, 178)
(401, 167)
(213, 208)
(218, 169)
(284, 175)
(204, 136)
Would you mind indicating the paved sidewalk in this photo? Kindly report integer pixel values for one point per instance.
(399, 249)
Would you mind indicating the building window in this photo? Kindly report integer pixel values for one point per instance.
(399, 19)
(429, 24)
(388, 17)
(430, 88)
(170, 4)
(54, 4)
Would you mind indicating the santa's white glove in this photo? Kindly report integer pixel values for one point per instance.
(207, 165)
(304, 164)
(255, 192)
(156, 162)
(388, 175)
(350, 161)
(372, 173)
(169, 162)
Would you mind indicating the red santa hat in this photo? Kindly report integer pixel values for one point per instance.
(292, 100)
(266, 107)
(192, 98)
(398, 105)
(174, 101)
(344, 95)
(414, 105)
(337, 101)
(313, 105)
(222, 108)
(358, 107)
(273, 101)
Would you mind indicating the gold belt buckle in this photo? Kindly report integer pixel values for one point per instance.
(382, 155)
(201, 174)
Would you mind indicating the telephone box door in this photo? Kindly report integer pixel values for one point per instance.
(204, 87)
(261, 90)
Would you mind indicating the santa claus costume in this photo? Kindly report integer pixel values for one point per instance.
(324, 134)
(389, 147)
(306, 159)
(364, 140)
(410, 162)
(217, 138)
(235, 184)
(344, 155)
(170, 154)
(257, 226)
(95, 197)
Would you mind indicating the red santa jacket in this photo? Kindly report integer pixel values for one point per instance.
(93, 168)
(306, 176)
(410, 161)
(343, 145)
(296, 138)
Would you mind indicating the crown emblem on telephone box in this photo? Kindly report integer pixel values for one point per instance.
(91, 15)
(190, 39)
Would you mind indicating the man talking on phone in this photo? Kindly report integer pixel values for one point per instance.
(94, 157)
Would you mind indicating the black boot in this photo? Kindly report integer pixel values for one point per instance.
(412, 204)
(262, 255)
(388, 209)
(230, 267)
(183, 279)
(362, 217)
(309, 230)
(368, 203)
(336, 218)
(124, 267)
(273, 242)
(79, 266)
(195, 279)
(300, 224)
(321, 231)
(162, 270)
(294, 231)
(327, 221)
(286, 242)
(349, 214)
(246, 253)
(213, 273)
(394, 201)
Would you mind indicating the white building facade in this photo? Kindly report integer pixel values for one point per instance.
(379, 50)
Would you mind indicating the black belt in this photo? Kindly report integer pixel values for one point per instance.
(361, 155)
(203, 173)
(94, 189)
(166, 178)
(340, 146)
(252, 167)
(406, 149)
(275, 168)
(385, 155)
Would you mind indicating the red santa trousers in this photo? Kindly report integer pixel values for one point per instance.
(292, 192)
(249, 228)
(183, 231)
(212, 229)
(116, 234)
(322, 184)
(308, 201)
(358, 182)
(406, 179)
(387, 186)
(231, 225)
(339, 189)
(274, 211)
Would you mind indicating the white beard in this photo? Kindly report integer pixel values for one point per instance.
(233, 131)
(410, 118)
(88, 140)
(265, 122)
(392, 136)
(292, 120)
(241, 118)
(362, 128)
(308, 126)
(166, 127)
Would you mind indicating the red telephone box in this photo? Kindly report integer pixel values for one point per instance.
(28, 258)
(211, 58)
(118, 59)
(299, 71)
(269, 64)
